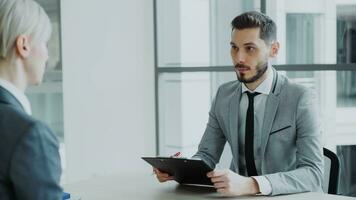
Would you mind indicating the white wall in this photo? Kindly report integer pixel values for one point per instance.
(108, 86)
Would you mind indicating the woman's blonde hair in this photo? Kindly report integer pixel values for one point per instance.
(21, 17)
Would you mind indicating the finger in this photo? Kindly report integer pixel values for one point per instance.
(159, 173)
(164, 179)
(209, 174)
(162, 174)
(165, 175)
(155, 170)
(216, 173)
(218, 179)
(170, 178)
(220, 185)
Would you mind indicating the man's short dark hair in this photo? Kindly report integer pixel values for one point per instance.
(254, 19)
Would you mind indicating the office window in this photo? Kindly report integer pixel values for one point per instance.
(47, 99)
(346, 53)
(317, 50)
(302, 44)
(191, 33)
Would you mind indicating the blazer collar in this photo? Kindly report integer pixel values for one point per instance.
(7, 98)
(272, 104)
(233, 117)
(278, 82)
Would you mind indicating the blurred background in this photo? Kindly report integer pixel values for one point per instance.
(132, 78)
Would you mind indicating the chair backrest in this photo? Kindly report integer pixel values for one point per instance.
(331, 172)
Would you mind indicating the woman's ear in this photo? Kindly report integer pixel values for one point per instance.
(274, 49)
(22, 46)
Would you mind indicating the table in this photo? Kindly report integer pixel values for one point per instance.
(144, 186)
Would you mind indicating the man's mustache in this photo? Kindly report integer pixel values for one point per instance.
(242, 66)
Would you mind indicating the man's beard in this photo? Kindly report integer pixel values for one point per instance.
(260, 70)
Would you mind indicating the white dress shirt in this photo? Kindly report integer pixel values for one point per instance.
(18, 94)
(259, 109)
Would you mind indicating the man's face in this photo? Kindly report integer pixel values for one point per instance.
(249, 54)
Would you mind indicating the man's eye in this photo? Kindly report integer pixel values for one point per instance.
(251, 49)
(234, 47)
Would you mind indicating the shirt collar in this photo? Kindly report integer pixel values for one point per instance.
(18, 94)
(266, 85)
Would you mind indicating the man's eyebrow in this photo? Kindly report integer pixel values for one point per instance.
(249, 44)
(246, 44)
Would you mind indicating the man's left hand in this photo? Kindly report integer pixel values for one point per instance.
(229, 183)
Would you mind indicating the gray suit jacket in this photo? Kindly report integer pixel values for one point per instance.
(29, 158)
(291, 151)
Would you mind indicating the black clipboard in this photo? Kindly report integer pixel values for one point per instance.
(185, 171)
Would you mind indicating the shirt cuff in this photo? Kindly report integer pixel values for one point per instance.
(263, 184)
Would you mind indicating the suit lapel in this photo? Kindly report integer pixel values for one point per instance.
(270, 110)
(233, 116)
(270, 113)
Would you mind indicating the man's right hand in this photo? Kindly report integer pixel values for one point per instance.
(161, 176)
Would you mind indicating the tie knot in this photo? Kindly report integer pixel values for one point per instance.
(252, 95)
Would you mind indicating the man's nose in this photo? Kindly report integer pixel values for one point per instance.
(239, 57)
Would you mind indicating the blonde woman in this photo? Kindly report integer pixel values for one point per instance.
(29, 159)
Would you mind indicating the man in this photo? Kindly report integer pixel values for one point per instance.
(29, 158)
(269, 122)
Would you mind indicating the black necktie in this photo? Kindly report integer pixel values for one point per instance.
(249, 135)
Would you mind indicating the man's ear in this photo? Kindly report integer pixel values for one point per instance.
(22, 46)
(274, 49)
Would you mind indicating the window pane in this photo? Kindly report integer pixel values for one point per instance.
(300, 44)
(323, 32)
(346, 53)
(49, 108)
(346, 88)
(346, 33)
(52, 9)
(47, 98)
(196, 32)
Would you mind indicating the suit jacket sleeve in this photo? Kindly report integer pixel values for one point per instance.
(35, 166)
(308, 174)
(213, 141)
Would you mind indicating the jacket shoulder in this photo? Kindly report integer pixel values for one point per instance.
(229, 87)
(16, 126)
(9, 113)
(293, 87)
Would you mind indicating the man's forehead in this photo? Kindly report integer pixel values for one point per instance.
(246, 36)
